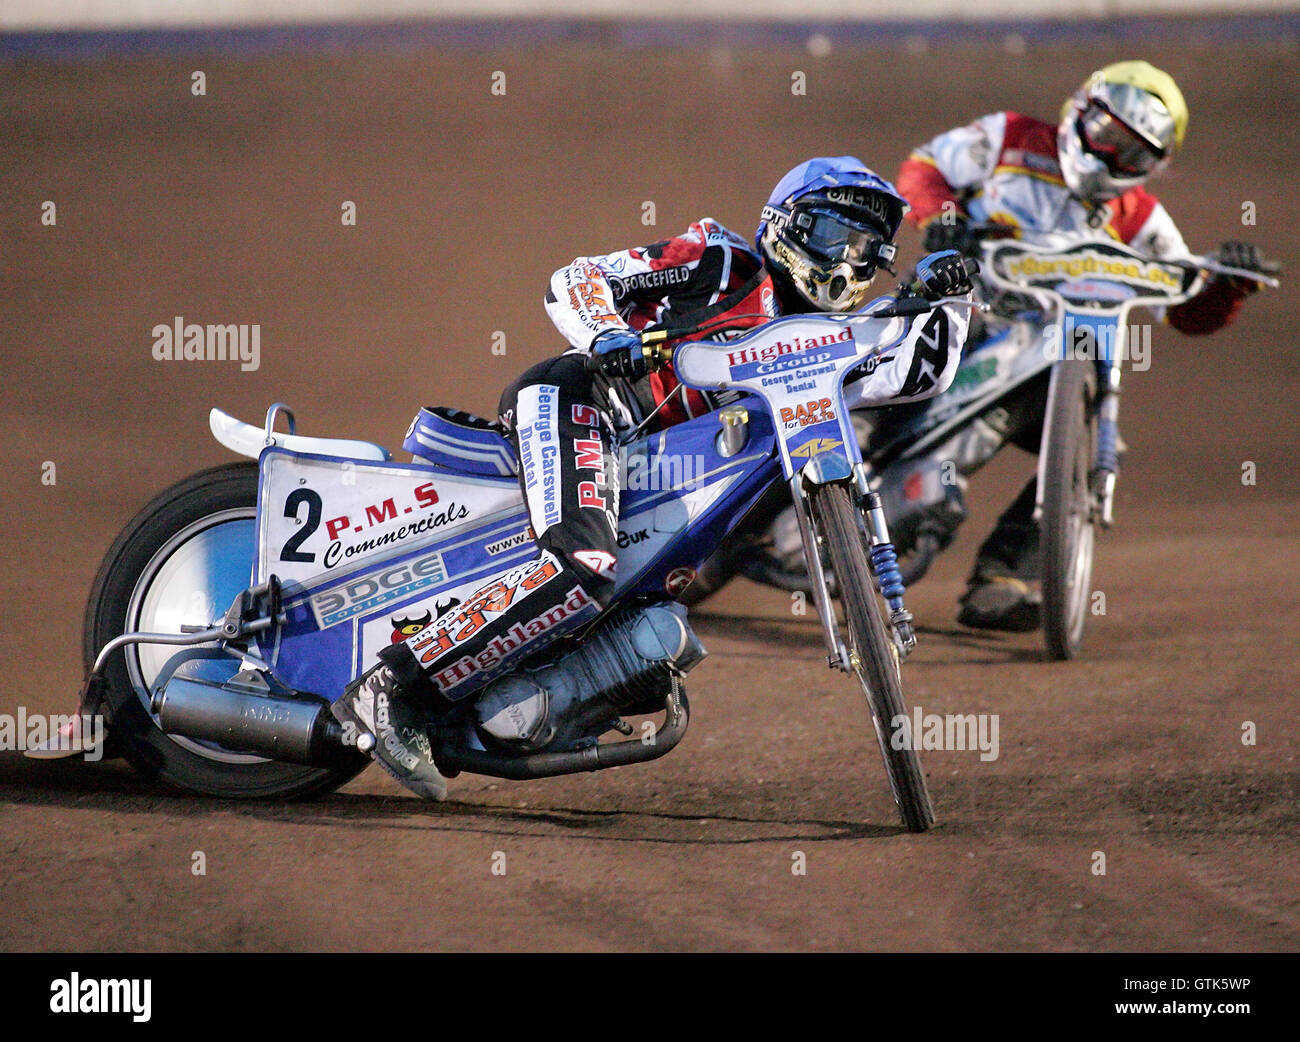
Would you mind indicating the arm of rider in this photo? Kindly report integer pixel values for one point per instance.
(1221, 298)
(938, 174)
(581, 303)
(923, 361)
(594, 295)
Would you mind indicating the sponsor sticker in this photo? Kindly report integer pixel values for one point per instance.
(407, 626)
(791, 353)
(535, 633)
(1077, 264)
(792, 345)
(510, 542)
(436, 641)
(807, 413)
(815, 447)
(601, 562)
(539, 451)
(1095, 289)
(368, 593)
(662, 279)
(677, 580)
(589, 454)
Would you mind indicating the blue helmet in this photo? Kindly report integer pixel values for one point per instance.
(828, 225)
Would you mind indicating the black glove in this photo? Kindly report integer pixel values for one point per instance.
(1237, 254)
(945, 274)
(618, 353)
(1240, 255)
(949, 231)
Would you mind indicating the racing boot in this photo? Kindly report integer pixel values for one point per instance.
(392, 728)
(1001, 602)
(1002, 592)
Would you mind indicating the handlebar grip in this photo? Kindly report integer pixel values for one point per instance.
(630, 363)
(904, 308)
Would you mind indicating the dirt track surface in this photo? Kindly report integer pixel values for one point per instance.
(226, 208)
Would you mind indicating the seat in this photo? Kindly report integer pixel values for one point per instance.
(249, 441)
(462, 442)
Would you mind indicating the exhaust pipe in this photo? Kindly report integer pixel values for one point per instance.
(249, 720)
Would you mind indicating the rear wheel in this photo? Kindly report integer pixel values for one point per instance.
(1069, 518)
(872, 653)
(181, 561)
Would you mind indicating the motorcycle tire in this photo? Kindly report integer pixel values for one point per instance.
(872, 653)
(201, 527)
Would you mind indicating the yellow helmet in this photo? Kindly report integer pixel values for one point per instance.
(1119, 128)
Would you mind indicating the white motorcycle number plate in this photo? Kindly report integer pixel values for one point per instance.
(320, 517)
(796, 365)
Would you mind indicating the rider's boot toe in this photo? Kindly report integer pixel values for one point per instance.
(1001, 603)
(379, 710)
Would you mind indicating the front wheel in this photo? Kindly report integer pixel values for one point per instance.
(872, 653)
(181, 561)
(1069, 518)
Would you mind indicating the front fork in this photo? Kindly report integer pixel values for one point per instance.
(884, 564)
(1105, 470)
(1106, 473)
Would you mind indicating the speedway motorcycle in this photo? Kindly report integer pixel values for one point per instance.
(1069, 331)
(240, 602)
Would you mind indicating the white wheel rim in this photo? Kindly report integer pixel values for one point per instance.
(190, 580)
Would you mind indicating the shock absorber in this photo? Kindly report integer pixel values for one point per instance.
(1108, 456)
(884, 559)
(1107, 446)
(884, 562)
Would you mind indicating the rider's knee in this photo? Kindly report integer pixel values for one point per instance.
(595, 571)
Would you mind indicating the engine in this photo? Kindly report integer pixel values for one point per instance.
(627, 665)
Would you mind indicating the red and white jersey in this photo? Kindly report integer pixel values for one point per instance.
(706, 274)
(1004, 168)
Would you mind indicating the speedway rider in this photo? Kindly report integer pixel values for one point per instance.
(828, 226)
(1077, 180)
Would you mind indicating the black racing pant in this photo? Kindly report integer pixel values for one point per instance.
(569, 476)
(1011, 549)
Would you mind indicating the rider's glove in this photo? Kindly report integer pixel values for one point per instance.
(1240, 255)
(949, 231)
(619, 352)
(945, 274)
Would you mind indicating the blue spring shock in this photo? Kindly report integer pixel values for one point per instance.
(885, 562)
(1107, 445)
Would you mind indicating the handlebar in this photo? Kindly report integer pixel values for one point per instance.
(1046, 268)
(1267, 269)
(656, 352)
(910, 307)
(983, 233)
